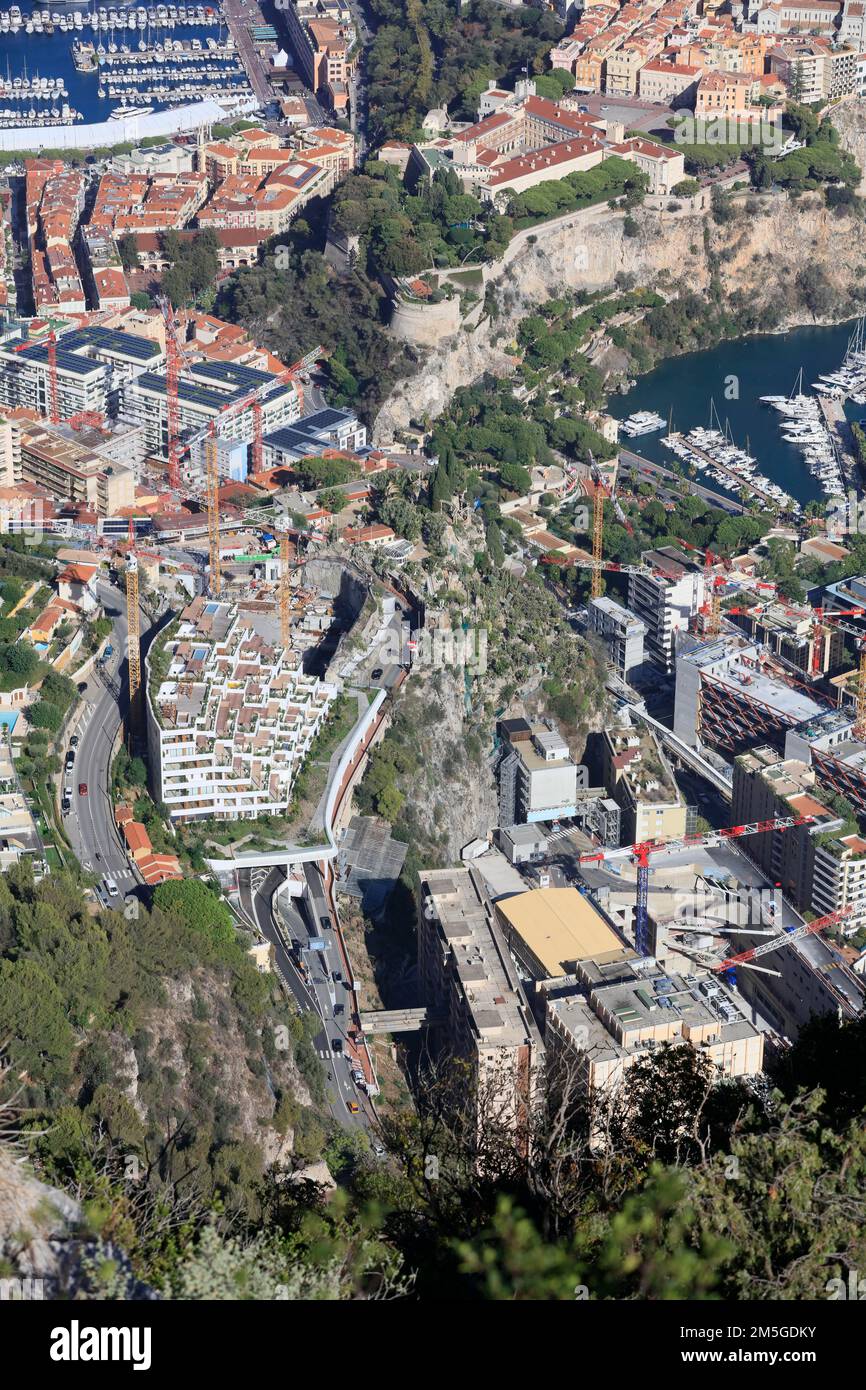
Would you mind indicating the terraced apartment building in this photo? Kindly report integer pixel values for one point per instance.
(231, 716)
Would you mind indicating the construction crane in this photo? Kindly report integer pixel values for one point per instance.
(641, 853)
(784, 939)
(713, 586)
(53, 391)
(597, 531)
(211, 449)
(285, 594)
(133, 636)
(172, 403)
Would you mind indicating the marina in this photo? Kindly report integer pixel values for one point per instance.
(713, 451)
(805, 427)
(737, 373)
(100, 60)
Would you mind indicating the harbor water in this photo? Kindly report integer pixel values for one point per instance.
(734, 375)
(44, 55)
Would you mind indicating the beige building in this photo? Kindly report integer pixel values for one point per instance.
(72, 473)
(670, 83)
(550, 930)
(468, 978)
(638, 777)
(618, 1016)
(664, 167)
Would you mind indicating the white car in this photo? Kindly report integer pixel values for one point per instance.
(110, 886)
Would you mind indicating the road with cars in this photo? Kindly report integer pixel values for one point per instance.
(89, 820)
(283, 920)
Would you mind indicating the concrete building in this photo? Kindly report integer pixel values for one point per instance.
(52, 459)
(615, 1017)
(827, 742)
(523, 844)
(728, 697)
(638, 777)
(205, 391)
(537, 778)
(93, 365)
(230, 716)
(324, 429)
(621, 632)
(550, 930)
(467, 978)
(791, 634)
(665, 600)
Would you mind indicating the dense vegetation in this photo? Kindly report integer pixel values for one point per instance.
(425, 56)
(294, 301)
(701, 1189)
(404, 232)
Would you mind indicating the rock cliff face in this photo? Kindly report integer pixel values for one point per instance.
(758, 253)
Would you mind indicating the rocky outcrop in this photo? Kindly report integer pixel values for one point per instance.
(764, 248)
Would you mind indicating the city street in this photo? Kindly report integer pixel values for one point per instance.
(281, 923)
(90, 823)
(239, 15)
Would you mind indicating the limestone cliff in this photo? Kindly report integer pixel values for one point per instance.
(771, 239)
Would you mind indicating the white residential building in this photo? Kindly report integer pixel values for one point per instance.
(230, 717)
(622, 633)
(665, 600)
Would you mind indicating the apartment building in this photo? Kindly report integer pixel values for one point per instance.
(52, 459)
(615, 1016)
(814, 69)
(538, 778)
(93, 364)
(729, 696)
(621, 632)
(638, 777)
(468, 980)
(206, 391)
(324, 430)
(670, 84)
(324, 47)
(666, 599)
(230, 716)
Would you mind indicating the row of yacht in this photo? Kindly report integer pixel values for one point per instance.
(712, 451)
(848, 382)
(40, 88)
(15, 117)
(161, 17)
(804, 427)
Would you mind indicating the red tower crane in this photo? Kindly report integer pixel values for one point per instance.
(784, 939)
(53, 392)
(641, 853)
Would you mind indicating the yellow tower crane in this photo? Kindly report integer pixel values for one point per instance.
(213, 511)
(597, 528)
(133, 643)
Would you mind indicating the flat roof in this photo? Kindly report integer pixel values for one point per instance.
(560, 925)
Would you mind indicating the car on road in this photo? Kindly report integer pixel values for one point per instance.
(336, 977)
(325, 921)
(65, 805)
(352, 1106)
(74, 741)
(337, 1045)
(82, 788)
(70, 757)
(67, 792)
(110, 886)
(339, 1009)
